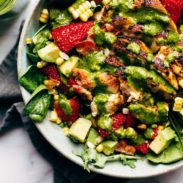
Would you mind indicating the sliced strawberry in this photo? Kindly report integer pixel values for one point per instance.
(85, 47)
(103, 133)
(68, 36)
(118, 120)
(174, 7)
(155, 133)
(74, 103)
(130, 120)
(143, 148)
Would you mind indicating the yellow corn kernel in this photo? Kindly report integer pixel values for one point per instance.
(44, 16)
(56, 97)
(142, 126)
(46, 82)
(29, 41)
(160, 127)
(45, 12)
(71, 9)
(90, 13)
(81, 8)
(66, 131)
(43, 20)
(93, 4)
(181, 83)
(58, 121)
(53, 116)
(59, 61)
(100, 148)
(87, 3)
(40, 65)
(178, 104)
(75, 14)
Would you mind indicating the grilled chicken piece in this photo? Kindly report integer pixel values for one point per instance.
(109, 81)
(114, 102)
(83, 76)
(177, 68)
(83, 92)
(114, 61)
(122, 43)
(123, 147)
(166, 72)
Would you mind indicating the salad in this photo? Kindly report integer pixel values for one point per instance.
(111, 74)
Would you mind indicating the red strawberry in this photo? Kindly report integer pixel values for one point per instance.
(51, 71)
(130, 120)
(75, 111)
(174, 7)
(85, 47)
(143, 148)
(98, 1)
(118, 120)
(103, 133)
(68, 36)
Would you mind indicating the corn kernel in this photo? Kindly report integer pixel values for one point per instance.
(90, 145)
(84, 17)
(90, 13)
(85, 6)
(66, 131)
(181, 83)
(44, 16)
(160, 127)
(43, 20)
(105, 2)
(63, 55)
(59, 61)
(53, 116)
(142, 126)
(178, 104)
(93, 4)
(75, 14)
(125, 111)
(46, 82)
(81, 9)
(40, 65)
(29, 41)
(58, 121)
(56, 97)
(99, 140)
(45, 12)
(87, 3)
(71, 9)
(100, 148)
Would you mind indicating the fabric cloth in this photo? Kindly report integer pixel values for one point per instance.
(12, 116)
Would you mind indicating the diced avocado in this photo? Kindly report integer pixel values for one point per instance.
(67, 67)
(105, 122)
(49, 53)
(92, 136)
(109, 147)
(120, 132)
(162, 140)
(80, 129)
(130, 133)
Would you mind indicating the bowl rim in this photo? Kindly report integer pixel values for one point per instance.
(19, 63)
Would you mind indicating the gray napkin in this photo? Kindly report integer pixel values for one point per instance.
(12, 116)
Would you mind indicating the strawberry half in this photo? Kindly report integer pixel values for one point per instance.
(143, 148)
(74, 103)
(68, 36)
(174, 7)
(118, 120)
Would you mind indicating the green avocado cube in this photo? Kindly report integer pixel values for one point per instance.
(162, 141)
(93, 136)
(67, 67)
(49, 53)
(80, 129)
(109, 147)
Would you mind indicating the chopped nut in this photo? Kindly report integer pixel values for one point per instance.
(142, 126)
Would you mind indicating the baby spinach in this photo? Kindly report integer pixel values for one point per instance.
(31, 79)
(38, 105)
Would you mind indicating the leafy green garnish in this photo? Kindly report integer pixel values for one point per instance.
(64, 104)
(92, 157)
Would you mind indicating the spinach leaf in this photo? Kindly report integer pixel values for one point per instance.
(59, 17)
(92, 157)
(38, 105)
(31, 79)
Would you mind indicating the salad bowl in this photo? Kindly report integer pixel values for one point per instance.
(55, 135)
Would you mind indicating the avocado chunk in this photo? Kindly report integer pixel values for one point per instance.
(108, 147)
(49, 53)
(80, 129)
(162, 141)
(93, 136)
(67, 67)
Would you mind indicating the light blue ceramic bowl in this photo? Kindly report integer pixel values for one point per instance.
(54, 134)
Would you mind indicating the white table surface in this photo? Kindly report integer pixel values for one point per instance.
(19, 161)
